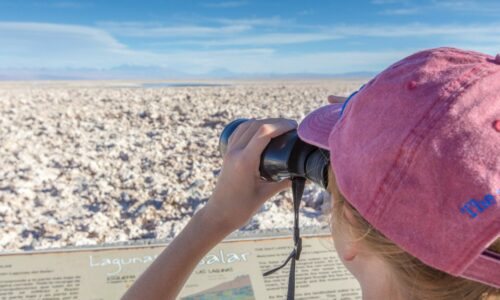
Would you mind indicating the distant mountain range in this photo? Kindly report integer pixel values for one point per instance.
(131, 72)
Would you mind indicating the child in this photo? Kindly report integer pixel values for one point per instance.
(415, 180)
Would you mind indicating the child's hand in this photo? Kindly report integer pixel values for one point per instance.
(240, 191)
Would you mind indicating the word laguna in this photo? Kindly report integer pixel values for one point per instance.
(118, 263)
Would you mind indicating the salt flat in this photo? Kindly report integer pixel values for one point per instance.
(86, 163)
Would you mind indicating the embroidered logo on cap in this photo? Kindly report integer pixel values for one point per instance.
(475, 207)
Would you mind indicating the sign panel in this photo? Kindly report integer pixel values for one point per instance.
(232, 270)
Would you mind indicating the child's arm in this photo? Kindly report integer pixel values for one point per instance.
(168, 273)
(237, 196)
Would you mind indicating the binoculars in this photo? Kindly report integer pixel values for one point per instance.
(286, 156)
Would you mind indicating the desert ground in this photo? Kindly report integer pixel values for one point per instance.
(90, 163)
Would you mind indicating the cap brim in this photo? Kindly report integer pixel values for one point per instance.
(316, 127)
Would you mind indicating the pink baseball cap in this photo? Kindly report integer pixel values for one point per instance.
(417, 152)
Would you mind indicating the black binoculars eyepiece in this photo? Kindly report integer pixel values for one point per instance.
(286, 156)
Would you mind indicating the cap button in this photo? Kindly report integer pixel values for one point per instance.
(497, 59)
(496, 125)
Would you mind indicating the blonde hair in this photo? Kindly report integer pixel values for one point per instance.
(413, 279)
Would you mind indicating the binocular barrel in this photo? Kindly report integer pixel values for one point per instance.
(286, 156)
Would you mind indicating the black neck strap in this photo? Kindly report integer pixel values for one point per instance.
(298, 184)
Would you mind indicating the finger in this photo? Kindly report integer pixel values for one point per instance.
(245, 137)
(266, 132)
(336, 99)
(234, 137)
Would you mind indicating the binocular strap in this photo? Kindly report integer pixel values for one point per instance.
(298, 184)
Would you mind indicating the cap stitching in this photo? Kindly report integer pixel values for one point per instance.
(468, 263)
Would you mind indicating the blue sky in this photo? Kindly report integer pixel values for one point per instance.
(240, 36)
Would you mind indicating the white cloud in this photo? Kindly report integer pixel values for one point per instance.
(453, 30)
(268, 61)
(222, 26)
(59, 29)
(58, 46)
(43, 45)
(258, 40)
(157, 30)
(482, 33)
(327, 62)
(243, 31)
